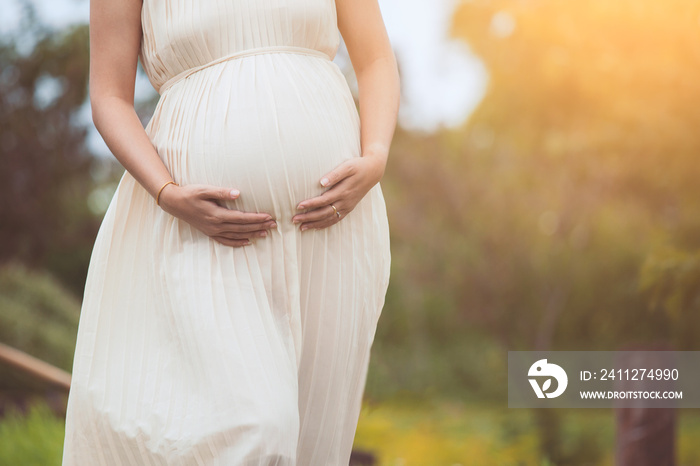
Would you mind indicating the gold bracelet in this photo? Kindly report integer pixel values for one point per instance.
(161, 190)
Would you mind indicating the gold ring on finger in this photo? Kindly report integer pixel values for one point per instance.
(335, 210)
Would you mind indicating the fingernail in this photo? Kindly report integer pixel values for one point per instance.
(324, 181)
(269, 217)
(304, 227)
(246, 244)
(235, 192)
(274, 225)
(295, 220)
(300, 206)
(264, 233)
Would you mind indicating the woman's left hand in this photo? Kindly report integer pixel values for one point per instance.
(350, 182)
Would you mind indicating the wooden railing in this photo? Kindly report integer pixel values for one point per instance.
(34, 367)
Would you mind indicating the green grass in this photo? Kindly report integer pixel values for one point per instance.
(39, 317)
(446, 433)
(409, 432)
(32, 440)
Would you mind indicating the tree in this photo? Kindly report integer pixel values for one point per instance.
(44, 163)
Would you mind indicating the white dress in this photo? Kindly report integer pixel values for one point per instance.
(190, 352)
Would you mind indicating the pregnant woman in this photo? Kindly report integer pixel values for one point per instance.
(241, 268)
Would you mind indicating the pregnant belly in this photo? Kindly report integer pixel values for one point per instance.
(269, 125)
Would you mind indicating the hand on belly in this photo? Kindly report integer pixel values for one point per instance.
(348, 183)
(198, 205)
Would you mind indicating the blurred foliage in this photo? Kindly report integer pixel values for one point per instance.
(410, 433)
(37, 316)
(400, 433)
(531, 223)
(470, 367)
(32, 439)
(671, 279)
(530, 227)
(45, 167)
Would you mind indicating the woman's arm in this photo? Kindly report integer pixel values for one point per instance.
(115, 39)
(361, 24)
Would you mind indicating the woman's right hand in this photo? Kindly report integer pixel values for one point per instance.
(196, 204)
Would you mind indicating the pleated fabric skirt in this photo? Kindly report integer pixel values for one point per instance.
(190, 352)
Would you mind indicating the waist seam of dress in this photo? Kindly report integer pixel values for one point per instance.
(240, 54)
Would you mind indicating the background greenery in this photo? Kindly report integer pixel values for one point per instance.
(564, 214)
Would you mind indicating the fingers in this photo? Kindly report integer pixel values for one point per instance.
(320, 213)
(333, 179)
(247, 227)
(231, 242)
(220, 214)
(241, 217)
(321, 217)
(213, 222)
(230, 215)
(332, 196)
(199, 207)
(213, 192)
(238, 239)
(343, 170)
(324, 223)
(231, 234)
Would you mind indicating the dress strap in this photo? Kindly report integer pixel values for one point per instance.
(243, 53)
